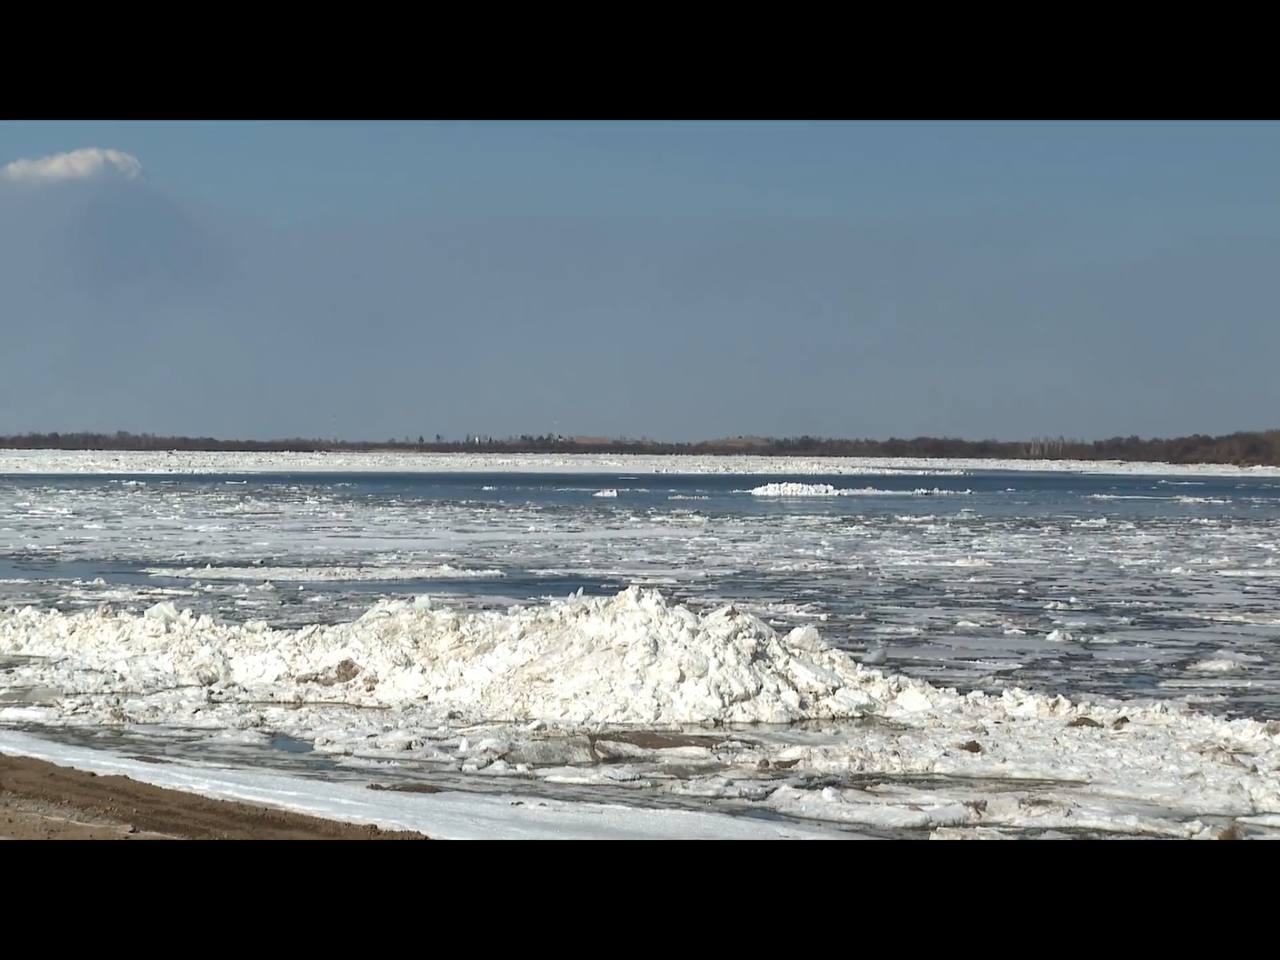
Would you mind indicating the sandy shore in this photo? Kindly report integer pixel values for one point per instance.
(42, 801)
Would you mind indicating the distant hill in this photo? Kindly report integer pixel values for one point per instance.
(1240, 449)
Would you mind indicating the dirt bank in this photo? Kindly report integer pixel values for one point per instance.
(41, 801)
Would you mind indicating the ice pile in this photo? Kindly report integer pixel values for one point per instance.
(790, 489)
(632, 658)
(795, 490)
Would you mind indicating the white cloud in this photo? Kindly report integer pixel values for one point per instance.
(75, 165)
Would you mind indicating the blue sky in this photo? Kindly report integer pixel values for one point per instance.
(677, 280)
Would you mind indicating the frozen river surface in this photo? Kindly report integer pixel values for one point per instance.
(1152, 599)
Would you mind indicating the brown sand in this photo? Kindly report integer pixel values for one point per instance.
(41, 801)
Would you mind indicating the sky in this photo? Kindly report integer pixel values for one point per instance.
(675, 280)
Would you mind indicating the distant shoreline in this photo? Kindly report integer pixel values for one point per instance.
(1243, 449)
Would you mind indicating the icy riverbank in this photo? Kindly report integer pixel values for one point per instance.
(550, 692)
(195, 462)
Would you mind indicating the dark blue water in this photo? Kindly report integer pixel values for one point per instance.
(1006, 493)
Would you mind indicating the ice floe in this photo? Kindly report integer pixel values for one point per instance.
(441, 571)
(789, 489)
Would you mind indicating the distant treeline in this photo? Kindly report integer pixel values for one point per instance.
(1243, 449)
